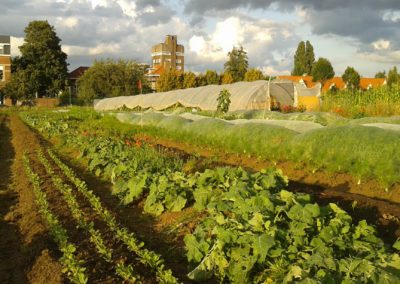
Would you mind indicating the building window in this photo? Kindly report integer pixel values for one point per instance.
(1, 49)
(178, 67)
(157, 60)
(179, 61)
(2, 73)
(161, 53)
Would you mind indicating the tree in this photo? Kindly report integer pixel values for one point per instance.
(253, 74)
(351, 78)
(322, 70)
(168, 81)
(237, 64)
(212, 77)
(201, 80)
(227, 78)
(42, 56)
(393, 77)
(304, 59)
(110, 78)
(310, 57)
(21, 87)
(189, 80)
(381, 74)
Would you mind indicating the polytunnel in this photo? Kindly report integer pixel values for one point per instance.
(244, 96)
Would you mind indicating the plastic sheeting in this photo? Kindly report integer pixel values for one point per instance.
(244, 96)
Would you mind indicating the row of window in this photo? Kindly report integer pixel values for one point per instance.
(158, 60)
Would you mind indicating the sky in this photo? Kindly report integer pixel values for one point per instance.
(364, 34)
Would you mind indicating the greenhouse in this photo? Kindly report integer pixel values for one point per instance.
(244, 96)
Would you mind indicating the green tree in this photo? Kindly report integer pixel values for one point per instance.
(189, 80)
(212, 77)
(304, 59)
(253, 74)
(201, 80)
(322, 70)
(381, 74)
(227, 78)
(111, 78)
(393, 77)
(168, 81)
(310, 57)
(42, 56)
(21, 87)
(300, 60)
(351, 78)
(237, 64)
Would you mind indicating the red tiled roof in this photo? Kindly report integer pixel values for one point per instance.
(156, 71)
(77, 73)
(297, 79)
(366, 83)
(334, 82)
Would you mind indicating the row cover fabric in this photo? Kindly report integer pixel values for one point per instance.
(244, 96)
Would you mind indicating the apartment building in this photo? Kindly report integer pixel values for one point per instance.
(5, 61)
(165, 56)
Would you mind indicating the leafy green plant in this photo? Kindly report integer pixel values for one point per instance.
(257, 232)
(224, 101)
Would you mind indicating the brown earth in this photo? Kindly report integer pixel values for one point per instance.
(42, 267)
(24, 241)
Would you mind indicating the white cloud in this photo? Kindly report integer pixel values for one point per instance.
(104, 48)
(234, 31)
(70, 22)
(197, 44)
(381, 44)
(15, 42)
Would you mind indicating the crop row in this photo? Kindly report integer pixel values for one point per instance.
(73, 267)
(147, 257)
(125, 271)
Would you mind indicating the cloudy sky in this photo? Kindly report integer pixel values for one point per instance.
(364, 34)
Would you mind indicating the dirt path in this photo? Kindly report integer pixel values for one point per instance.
(27, 253)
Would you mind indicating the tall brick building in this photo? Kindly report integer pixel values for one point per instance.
(5, 60)
(166, 56)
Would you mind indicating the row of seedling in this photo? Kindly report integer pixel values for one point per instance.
(124, 271)
(147, 257)
(71, 265)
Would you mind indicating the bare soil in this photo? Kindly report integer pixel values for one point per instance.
(28, 254)
(38, 262)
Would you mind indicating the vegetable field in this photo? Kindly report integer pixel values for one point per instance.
(116, 207)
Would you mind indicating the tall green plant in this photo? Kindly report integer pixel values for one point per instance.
(224, 101)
